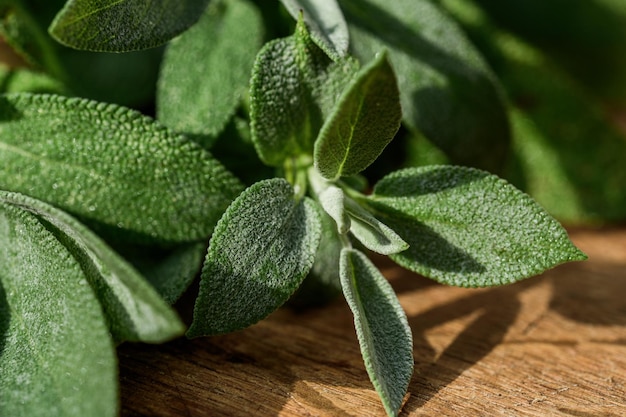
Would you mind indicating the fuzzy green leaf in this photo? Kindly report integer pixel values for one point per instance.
(205, 71)
(447, 91)
(381, 327)
(261, 250)
(468, 228)
(365, 120)
(56, 355)
(115, 169)
(294, 87)
(332, 200)
(134, 310)
(123, 25)
(326, 22)
(371, 232)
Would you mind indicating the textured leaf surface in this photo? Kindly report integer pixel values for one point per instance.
(381, 326)
(261, 250)
(466, 227)
(56, 355)
(112, 167)
(371, 232)
(365, 120)
(447, 91)
(326, 22)
(294, 86)
(134, 310)
(333, 201)
(123, 25)
(206, 70)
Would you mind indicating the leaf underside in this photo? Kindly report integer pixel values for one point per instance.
(381, 326)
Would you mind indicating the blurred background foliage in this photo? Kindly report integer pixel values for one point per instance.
(558, 67)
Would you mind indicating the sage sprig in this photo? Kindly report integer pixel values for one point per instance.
(81, 177)
(257, 257)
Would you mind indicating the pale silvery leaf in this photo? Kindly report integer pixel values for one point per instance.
(325, 19)
(120, 172)
(123, 25)
(133, 309)
(381, 326)
(57, 358)
(332, 200)
(261, 250)
(364, 121)
(466, 227)
(371, 232)
(205, 71)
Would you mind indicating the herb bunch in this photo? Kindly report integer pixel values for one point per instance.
(276, 180)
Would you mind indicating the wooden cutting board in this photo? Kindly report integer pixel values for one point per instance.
(553, 345)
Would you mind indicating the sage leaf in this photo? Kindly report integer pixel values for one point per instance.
(381, 327)
(332, 200)
(123, 25)
(261, 250)
(56, 356)
(468, 228)
(122, 173)
(448, 92)
(366, 119)
(134, 310)
(205, 71)
(326, 22)
(294, 86)
(371, 232)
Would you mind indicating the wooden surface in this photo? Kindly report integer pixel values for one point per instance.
(551, 345)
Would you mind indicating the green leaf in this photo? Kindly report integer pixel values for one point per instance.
(294, 87)
(134, 310)
(115, 169)
(205, 71)
(365, 120)
(448, 93)
(123, 25)
(56, 355)
(326, 22)
(261, 250)
(381, 327)
(333, 200)
(371, 232)
(468, 228)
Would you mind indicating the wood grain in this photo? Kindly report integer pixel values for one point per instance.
(553, 345)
